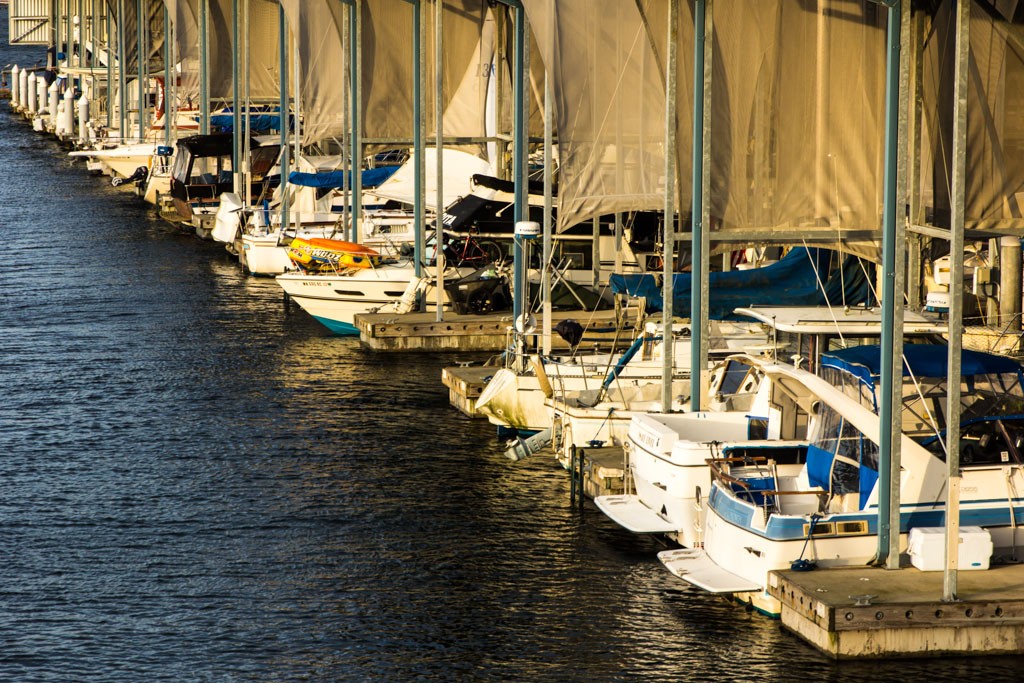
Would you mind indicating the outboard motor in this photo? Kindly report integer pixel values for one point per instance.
(138, 177)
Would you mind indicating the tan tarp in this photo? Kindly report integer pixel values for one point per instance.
(606, 59)
(316, 27)
(995, 129)
(263, 53)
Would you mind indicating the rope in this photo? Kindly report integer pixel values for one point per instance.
(800, 564)
(821, 286)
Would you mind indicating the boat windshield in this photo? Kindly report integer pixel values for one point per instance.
(924, 398)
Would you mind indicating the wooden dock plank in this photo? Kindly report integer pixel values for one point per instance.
(422, 332)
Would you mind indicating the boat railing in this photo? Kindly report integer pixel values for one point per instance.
(761, 491)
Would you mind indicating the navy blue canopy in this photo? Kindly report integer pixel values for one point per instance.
(372, 177)
(793, 281)
(921, 360)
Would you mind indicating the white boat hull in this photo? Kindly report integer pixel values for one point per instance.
(335, 299)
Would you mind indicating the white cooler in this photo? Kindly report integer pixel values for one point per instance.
(927, 548)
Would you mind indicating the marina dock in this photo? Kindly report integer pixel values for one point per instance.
(870, 612)
(777, 315)
(391, 332)
(465, 382)
(602, 471)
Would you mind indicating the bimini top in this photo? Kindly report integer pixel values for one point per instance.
(919, 360)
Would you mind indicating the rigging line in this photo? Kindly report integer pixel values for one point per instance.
(821, 285)
(928, 411)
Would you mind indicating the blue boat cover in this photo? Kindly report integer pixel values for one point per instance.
(919, 360)
(257, 122)
(793, 281)
(372, 177)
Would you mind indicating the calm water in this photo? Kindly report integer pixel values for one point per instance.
(196, 485)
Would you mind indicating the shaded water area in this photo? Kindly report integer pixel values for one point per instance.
(198, 485)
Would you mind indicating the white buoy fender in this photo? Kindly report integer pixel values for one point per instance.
(83, 118)
(40, 94)
(54, 100)
(69, 112)
(23, 85)
(15, 86)
(31, 102)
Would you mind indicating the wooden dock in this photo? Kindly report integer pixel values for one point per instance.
(465, 382)
(872, 612)
(599, 469)
(422, 332)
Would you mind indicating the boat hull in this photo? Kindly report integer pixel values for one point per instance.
(335, 299)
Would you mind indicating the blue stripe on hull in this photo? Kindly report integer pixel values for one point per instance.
(791, 527)
(336, 326)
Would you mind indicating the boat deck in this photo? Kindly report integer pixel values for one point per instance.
(868, 612)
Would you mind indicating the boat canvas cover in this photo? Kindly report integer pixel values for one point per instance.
(372, 177)
(919, 360)
(796, 280)
(257, 123)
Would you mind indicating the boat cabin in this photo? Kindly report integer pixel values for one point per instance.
(202, 169)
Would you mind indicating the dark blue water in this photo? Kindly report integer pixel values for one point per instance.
(196, 485)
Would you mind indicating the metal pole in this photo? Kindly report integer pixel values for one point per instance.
(168, 86)
(346, 136)
(246, 143)
(699, 323)
(58, 41)
(914, 273)
(1010, 284)
(548, 200)
(142, 56)
(956, 293)
(283, 112)
(519, 145)
(572, 478)
(419, 123)
(236, 112)
(295, 120)
(901, 13)
(889, 372)
(356, 29)
(109, 22)
(439, 132)
(204, 70)
(122, 77)
(668, 256)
